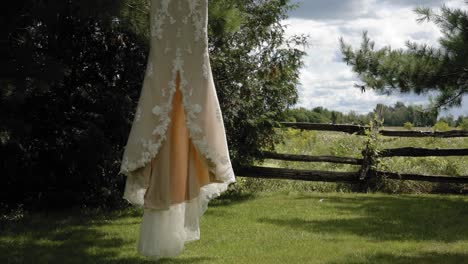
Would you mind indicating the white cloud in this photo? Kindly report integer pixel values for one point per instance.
(327, 10)
(326, 80)
(331, 9)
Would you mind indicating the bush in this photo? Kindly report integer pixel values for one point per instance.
(408, 125)
(441, 126)
(464, 124)
(63, 130)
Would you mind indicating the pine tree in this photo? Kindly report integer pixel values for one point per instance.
(419, 68)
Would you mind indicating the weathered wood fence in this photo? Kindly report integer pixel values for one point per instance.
(365, 172)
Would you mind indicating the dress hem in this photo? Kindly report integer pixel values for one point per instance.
(163, 233)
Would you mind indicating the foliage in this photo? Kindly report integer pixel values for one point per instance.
(322, 115)
(134, 15)
(395, 115)
(371, 156)
(463, 124)
(71, 73)
(399, 113)
(458, 122)
(419, 68)
(225, 17)
(449, 119)
(69, 82)
(408, 125)
(256, 71)
(440, 126)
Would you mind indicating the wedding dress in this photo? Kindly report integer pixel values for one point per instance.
(176, 158)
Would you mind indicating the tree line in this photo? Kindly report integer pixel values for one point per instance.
(396, 115)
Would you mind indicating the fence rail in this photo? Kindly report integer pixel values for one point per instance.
(337, 176)
(419, 177)
(291, 157)
(422, 152)
(360, 130)
(293, 174)
(365, 172)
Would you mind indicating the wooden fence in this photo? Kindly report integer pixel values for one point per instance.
(368, 159)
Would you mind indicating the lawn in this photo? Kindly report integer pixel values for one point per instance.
(275, 227)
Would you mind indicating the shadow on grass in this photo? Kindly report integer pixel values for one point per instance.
(230, 198)
(388, 218)
(72, 237)
(184, 260)
(424, 258)
(187, 260)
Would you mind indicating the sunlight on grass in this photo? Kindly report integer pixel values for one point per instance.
(318, 143)
(275, 227)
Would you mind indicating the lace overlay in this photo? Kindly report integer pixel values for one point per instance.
(160, 18)
(161, 112)
(179, 48)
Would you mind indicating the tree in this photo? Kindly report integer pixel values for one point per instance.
(398, 114)
(419, 68)
(334, 117)
(256, 71)
(70, 77)
(463, 124)
(449, 119)
(460, 120)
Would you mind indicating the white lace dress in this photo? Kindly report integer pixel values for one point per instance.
(176, 158)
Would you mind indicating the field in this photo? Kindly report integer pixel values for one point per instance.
(346, 145)
(275, 227)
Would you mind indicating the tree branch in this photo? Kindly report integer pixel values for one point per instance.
(136, 8)
(437, 106)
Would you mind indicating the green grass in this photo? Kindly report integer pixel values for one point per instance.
(275, 227)
(346, 145)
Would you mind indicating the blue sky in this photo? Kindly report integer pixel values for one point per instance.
(325, 79)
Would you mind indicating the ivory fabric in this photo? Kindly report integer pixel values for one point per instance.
(176, 158)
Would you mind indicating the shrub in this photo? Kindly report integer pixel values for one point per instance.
(441, 126)
(408, 125)
(464, 124)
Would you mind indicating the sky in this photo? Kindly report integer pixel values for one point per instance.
(326, 80)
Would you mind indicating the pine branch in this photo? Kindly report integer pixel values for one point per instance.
(445, 102)
(136, 8)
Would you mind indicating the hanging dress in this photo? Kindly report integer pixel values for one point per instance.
(176, 158)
